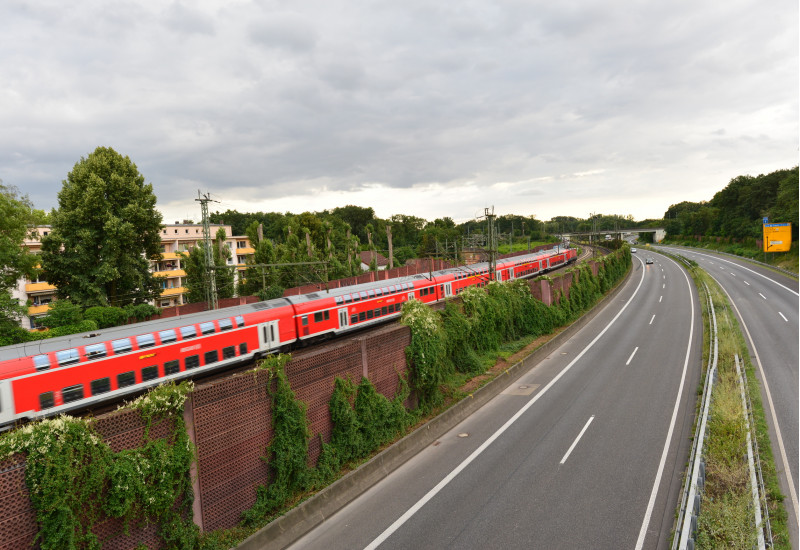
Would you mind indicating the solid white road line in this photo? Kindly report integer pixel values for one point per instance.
(651, 319)
(580, 435)
(784, 316)
(652, 502)
(746, 268)
(628, 362)
(485, 445)
(765, 385)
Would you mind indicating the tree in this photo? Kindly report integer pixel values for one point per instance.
(104, 231)
(197, 277)
(16, 217)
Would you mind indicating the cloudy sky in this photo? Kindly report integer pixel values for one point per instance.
(427, 108)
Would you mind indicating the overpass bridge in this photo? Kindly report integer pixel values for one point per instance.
(594, 236)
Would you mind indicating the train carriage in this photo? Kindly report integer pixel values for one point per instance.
(72, 372)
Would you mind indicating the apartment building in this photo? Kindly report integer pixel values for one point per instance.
(175, 238)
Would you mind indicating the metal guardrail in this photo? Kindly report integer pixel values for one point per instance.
(686, 525)
(754, 464)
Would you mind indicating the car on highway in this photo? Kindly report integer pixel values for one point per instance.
(649, 261)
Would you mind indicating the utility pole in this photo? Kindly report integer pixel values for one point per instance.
(211, 288)
(492, 243)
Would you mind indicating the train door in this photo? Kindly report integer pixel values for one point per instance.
(448, 290)
(6, 403)
(498, 276)
(343, 319)
(269, 337)
(511, 274)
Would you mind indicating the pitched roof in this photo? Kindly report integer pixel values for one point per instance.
(367, 256)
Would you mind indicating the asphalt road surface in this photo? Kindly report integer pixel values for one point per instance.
(585, 450)
(766, 303)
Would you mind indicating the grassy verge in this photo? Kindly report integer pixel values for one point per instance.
(726, 512)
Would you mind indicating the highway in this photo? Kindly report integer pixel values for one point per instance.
(585, 450)
(766, 304)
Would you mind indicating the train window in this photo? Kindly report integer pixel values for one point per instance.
(338, 299)
(353, 319)
(188, 332)
(356, 297)
(167, 336)
(384, 310)
(101, 385)
(67, 357)
(327, 315)
(362, 316)
(378, 292)
(95, 351)
(192, 362)
(72, 393)
(305, 320)
(41, 362)
(239, 321)
(171, 367)
(145, 341)
(369, 314)
(149, 373)
(242, 348)
(318, 317)
(371, 293)
(211, 357)
(378, 312)
(228, 352)
(122, 345)
(207, 328)
(126, 379)
(347, 299)
(46, 400)
(225, 324)
(391, 308)
(363, 295)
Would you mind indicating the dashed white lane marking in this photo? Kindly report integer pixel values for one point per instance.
(566, 456)
(664, 286)
(762, 295)
(784, 316)
(628, 362)
(651, 319)
(659, 299)
(745, 282)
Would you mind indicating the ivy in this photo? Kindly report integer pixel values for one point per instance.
(75, 479)
(425, 353)
(363, 421)
(287, 452)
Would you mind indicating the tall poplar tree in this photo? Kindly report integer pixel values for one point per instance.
(104, 231)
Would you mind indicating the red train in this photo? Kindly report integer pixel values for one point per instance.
(57, 375)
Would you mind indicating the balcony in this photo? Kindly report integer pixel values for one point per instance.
(38, 310)
(34, 288)
(170, 273)
(245, 251)
(170, 256)
(173, 291)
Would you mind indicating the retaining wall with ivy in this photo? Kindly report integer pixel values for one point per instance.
(229, 426)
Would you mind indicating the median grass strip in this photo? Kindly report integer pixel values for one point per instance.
(726, 513)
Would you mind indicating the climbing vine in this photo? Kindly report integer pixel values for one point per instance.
(288, 450)
(75, 479)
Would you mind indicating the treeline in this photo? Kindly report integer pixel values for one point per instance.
(737, 211)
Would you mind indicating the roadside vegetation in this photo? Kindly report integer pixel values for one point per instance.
(726, 517)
